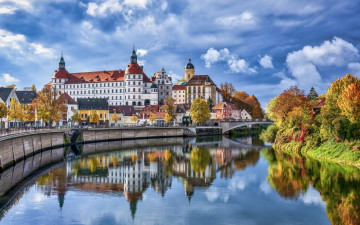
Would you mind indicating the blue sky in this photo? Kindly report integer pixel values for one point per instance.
(260, 46)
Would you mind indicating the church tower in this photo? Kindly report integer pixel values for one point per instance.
(189, 70)
(62, 62)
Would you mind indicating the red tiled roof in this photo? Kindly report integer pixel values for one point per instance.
(95, 77)
(126, 110)
(159, 115)
(227, 105)
(61, 73)
(218, 89)
(133, 68)
(150, 108)
(68, 99)
(321, 103)
(178, 87)
(146, 79)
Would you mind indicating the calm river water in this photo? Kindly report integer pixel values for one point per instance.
(178, 181)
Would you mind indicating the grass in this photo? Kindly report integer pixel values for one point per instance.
(336, 152)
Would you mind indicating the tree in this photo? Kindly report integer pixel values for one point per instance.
(94, 116)
(3, 113)
(115, 117)
(30, 113)
(210, 102)
(11, 86)
(33, 88)
(241, 95)
(312, 94)
(50, 107)
(167, 118)
(199, 110)
(134, 118)
(76, 116)
(170, 109)
(15, 111)
(256, 111)
(152, 117)
(350, 102)
(227, 91)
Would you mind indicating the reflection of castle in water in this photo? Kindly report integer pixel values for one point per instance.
(130, 173)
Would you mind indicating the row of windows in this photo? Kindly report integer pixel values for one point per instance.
(85, 115)
(133, 76)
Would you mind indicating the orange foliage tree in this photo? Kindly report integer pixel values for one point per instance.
(350, 102)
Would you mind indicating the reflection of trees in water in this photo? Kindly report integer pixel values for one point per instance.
(199, 159)
(339, 186)
(250, 159)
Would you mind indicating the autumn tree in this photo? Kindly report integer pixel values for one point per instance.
(312, 94)
(76, 116)
(33, 88)
(3, 113)
(167, 118)
(350, 102)
(94, 116)
(152, 117)
(282, 105)
(12, 86)
(15, 112)
(256, 111)
(134, 118)
(227, 91)
(199, 159)
(50, 107)
(170, 109)
(30, 113)
(199, 110)
(115, 117)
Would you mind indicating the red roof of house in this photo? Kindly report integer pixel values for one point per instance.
(133, 68)
(95, 77)
(61, 73)
(146, 79)
(200, 80)
(159, 115)
(228, 105)
(178, 87)
(68, 99)
(126, 110)
(151, 108)
(321, 103)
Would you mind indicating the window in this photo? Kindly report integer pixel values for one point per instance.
(100, 115)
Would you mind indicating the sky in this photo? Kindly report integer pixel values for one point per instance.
(260, 46)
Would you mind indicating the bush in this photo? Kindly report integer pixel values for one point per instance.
(269, 134)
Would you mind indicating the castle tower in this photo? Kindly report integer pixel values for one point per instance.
(189, 70)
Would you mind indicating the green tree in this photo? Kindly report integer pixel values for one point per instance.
(312, 94)
(199, 110)
(3, 113)
(94, 116)
(210, 102)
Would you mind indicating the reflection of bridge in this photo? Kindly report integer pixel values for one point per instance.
(228, 125)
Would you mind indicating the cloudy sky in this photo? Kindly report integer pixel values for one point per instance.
(260, 46)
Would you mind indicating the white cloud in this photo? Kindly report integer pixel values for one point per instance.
(235, 64)
(41, 50)
(175, 77)
(266, 62)
(354, 68)
(164, 6)
(7, 10)
(11, 41)
(9, 79)
(312, 197)
(265, 187)
(245, 18)
(141, 52)
(106, 7)
(303, 64)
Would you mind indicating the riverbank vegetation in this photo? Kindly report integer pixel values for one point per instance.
(325, 127)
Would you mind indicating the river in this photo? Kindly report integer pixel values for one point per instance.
(178, 181)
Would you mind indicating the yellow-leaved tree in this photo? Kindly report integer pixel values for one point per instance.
(115, 117)
(30, 113)
(15, 112)
(350, 102)
(93, 117)
(3, 113)
(170, 109)
(199, 110)
(134, 118)
(76, 116)
(50, 107)
(152, 117)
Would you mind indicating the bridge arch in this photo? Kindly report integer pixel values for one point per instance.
(231, 125)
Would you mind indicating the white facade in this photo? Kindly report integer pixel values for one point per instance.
(245, 115)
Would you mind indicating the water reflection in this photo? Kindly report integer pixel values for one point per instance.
(339, 186)
(229, 174)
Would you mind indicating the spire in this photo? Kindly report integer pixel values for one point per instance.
(62, 62)
(133, 57)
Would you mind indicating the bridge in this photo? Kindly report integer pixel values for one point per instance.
(228, 125)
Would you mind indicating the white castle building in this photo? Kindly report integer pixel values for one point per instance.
(129, 87)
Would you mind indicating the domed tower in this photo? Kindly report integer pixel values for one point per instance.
(189, 70)
(60, 76)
